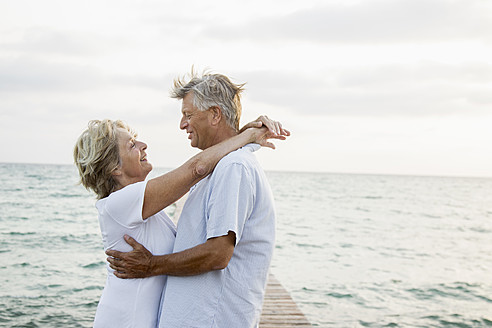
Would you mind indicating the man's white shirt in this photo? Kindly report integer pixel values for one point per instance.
(235, 197)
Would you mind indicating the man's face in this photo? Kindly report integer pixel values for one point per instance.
(196, 123)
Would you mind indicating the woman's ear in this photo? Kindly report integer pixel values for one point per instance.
(116, 172)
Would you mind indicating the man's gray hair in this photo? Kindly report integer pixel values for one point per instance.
(211, 90)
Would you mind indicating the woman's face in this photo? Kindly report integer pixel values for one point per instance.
(134, 166)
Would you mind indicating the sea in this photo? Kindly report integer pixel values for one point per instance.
(352, 250)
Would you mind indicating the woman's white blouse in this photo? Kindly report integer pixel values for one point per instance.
(132, 302)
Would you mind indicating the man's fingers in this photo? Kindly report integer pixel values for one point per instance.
(113, 261)
(110, 260)
(113, 253)
(132, 242)
(121, 275)
(118, 270)
(117, 254)
(113, 266)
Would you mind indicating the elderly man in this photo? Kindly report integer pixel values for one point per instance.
(226, 232)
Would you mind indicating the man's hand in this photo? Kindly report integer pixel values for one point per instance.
(134, 264)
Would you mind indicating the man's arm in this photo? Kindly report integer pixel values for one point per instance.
(214, 254)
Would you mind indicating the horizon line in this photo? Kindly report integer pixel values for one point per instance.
(306, 172)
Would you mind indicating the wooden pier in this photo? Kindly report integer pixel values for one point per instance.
(279, 310)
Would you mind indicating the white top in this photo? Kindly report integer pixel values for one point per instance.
(132, 302)
(235, 197)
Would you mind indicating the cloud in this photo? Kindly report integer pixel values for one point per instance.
(45, 40)
(426, 89)
(37, 75)
(380, 21)
(161, 83)
(25, 74)
(391, 75)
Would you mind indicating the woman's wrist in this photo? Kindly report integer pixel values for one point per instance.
(252, 134)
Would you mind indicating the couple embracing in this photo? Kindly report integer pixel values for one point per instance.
(210, 271)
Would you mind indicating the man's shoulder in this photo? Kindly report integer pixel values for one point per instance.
(243, 155)
(242, 159)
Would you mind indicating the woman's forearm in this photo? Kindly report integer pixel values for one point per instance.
(208, 158)
(166, 189)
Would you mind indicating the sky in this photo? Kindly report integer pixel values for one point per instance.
(368, 86)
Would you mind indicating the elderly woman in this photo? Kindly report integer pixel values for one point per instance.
(113, 164)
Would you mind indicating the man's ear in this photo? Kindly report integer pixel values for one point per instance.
(216, 115)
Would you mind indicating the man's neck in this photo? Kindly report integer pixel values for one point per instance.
(223, 134)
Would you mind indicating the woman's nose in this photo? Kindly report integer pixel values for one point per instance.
(143, 145)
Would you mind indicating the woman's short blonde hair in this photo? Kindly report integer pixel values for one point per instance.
(96, 155)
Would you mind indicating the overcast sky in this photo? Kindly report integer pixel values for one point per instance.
(368, 86)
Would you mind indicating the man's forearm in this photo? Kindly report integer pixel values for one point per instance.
(212, 255)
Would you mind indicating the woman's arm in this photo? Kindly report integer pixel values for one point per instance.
(274, 126)
(166, 189)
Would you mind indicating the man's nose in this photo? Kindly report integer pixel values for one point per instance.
(183, 124)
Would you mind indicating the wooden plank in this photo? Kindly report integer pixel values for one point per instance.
(279, 310)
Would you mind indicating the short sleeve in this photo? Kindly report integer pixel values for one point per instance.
(231, 201)
(125, 205)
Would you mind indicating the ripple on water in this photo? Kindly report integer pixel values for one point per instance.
(18, 233)
(305, 245)
(94, 265)
(338, 295)
(66, 195)
(61, 319)
(78, 290)
(456, 320)
(487, 321)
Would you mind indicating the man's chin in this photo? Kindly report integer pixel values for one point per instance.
(193, 144)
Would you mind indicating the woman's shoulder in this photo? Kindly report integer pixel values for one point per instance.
(124, 205)
(130, 190)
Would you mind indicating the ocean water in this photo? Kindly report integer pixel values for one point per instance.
(353, 250)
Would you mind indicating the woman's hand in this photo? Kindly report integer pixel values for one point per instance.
(274, 127)
(262, 135)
